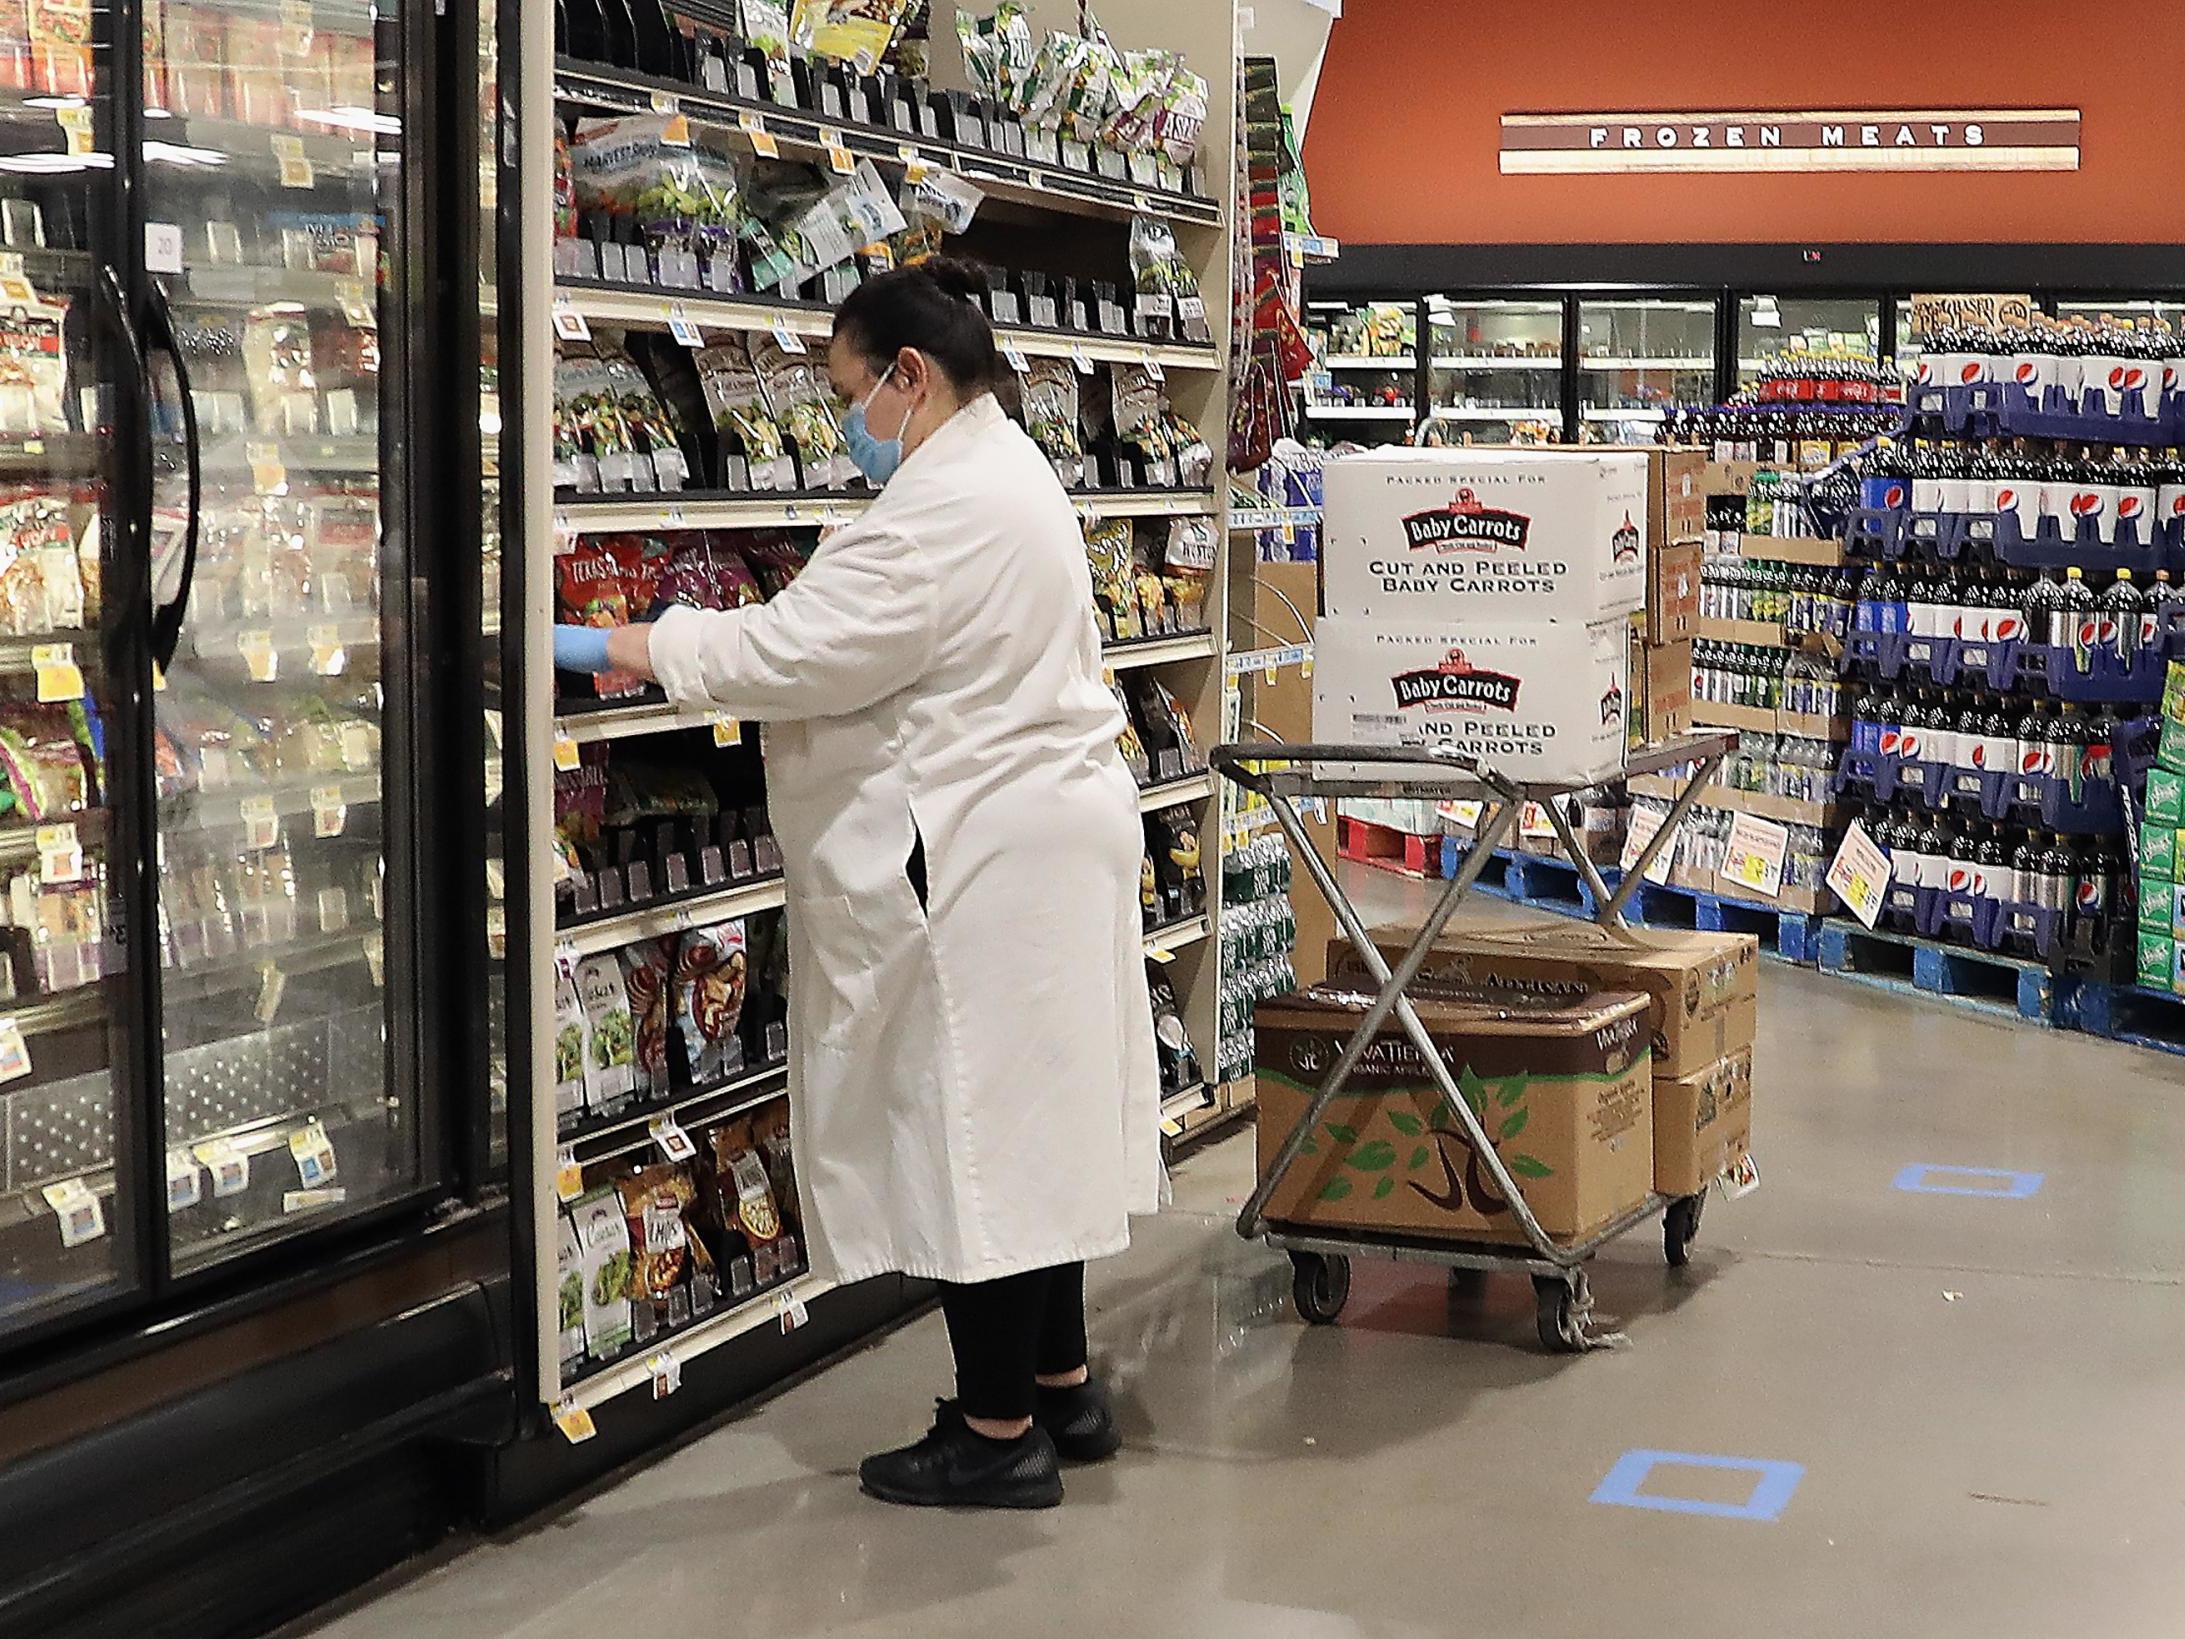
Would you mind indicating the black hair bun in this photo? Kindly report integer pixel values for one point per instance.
(955, 276)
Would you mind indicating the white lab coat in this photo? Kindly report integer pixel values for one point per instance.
(973, 1084)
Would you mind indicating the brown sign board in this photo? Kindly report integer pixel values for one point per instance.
(1949, 139)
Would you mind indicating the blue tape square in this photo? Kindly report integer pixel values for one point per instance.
(1773, 1484)
(1919, 1179)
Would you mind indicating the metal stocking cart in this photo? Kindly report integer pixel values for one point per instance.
(1283, 774)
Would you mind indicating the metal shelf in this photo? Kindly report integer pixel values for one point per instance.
(705, 509)
(1179, 935)
(701, 1107)
(1491, 361)
(808, 135)
(1143, 503)
(1696, 366)
(620, 722)
(635, 1369)
(1365, 361)
(656, 307)
(1159, 651)
(1172, 793)
(663, 916)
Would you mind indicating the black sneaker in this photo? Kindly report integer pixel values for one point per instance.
(955, 1468)
(1080, 1421)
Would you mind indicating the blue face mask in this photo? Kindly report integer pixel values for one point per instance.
(876, 458)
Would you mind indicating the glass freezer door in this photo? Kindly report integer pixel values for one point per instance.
(64, 1223)
(274, 157)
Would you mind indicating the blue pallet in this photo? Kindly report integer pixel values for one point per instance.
(1540, 883)
(2128, 1013)
(1989, 980)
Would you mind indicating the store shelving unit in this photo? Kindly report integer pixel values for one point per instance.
(1087, 212)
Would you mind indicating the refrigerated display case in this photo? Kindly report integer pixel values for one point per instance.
(1769, 326)
(1363, 380)
(1639, 358)
(1494, 371)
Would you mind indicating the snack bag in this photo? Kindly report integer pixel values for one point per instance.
(652, 1211)
(1179, 1062)
(770, 1134)
(712, 972)
(998, 52)
(753, 453)
(1167, 291)
(1115, 590)
(1050, 416)
(568, 1046)
(803, 408)
(589, 590)
(1182, 116)
(1129, 744)
(33, 360)
(638, 791)
(645, 969)
(747, 1208)
(1183, 877)
(854, 31)
(610, 1042)
(603, 1236)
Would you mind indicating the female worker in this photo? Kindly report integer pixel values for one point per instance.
(972, 1049)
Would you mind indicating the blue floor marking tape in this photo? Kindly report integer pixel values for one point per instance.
(2014, 1186)
(1773, 1484)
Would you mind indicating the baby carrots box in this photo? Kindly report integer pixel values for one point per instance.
(1562, 1086)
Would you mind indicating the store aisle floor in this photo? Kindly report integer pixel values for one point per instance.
(1979, 1397)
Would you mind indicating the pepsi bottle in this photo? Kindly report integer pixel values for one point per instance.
(2117, 618)
(2076, 612)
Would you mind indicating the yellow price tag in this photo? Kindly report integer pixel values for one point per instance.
(60, 854)
(565, 754)
(267, 473)
(1107, 676)
(915, 167)
(259, 655)
(727, 731)
(59, 677)
(762, 140)
(1273, 671)
(838, 157)
(329, 656)
(568, 1176)
(295, 165)
(356, 746)
(159, 678)
(1161, 954)
(576, 1425)
(75, 123)
(296, 27)
(1305, 668)
(261, 822)
(676, 133)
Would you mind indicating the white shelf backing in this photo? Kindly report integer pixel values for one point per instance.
(724, 1326)
(1490, 361)
(1359, 361)
(659, 309)
(651, 921)
(1148, 503)
(613, 515)
(1159, 651)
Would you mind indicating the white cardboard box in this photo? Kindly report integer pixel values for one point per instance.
(1538, 700)
(1414, 534)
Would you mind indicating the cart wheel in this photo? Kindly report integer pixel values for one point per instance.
(1559, 1330)
(1321, 1286)
(1680, 1228)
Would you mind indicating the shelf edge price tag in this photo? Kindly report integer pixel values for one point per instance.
(314, 1155)
(185, 1181)
(60, 853)
(75, 124)
(272, 982)
(789, 1309)
(727, 731)
(787, 339)
(330, 811)
(676, 133)
(59, 677)
(575, 1423)
(762, 140)
(1644, 823)
(295, 164)
(838, 157)
(667, 1374)
(1153, 368)
(1083, 361)
(261, 822)
(569, 324)
(497, 932)
(1161, 954)
(329, 653)
(568, 1175)
(1016, 358)
(229, 1166)
(915, 167)
(260, 657)
(684, 328)
(1859, 874)
(356, 746)
(566, 756)
(76, 1204)
(674, 1143)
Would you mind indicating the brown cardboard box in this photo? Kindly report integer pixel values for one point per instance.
(1563, 1088)
(1667, 690)
(1704, 986)
(1703, 1123)
(1672, 590)
(1676, 493)
(1284, 598)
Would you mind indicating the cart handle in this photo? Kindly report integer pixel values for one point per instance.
(1232, 760)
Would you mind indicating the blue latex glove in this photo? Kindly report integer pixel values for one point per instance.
(580, 648)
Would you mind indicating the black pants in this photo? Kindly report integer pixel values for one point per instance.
(1007, 1332)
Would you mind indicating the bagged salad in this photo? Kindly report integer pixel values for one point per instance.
(1050, 416)
(753, 452)
(805, 410)
(998, 51)
(1169, 303)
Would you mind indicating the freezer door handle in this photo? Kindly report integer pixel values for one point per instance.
(167, 618)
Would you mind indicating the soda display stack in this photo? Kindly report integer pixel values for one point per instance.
(2021, 611)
